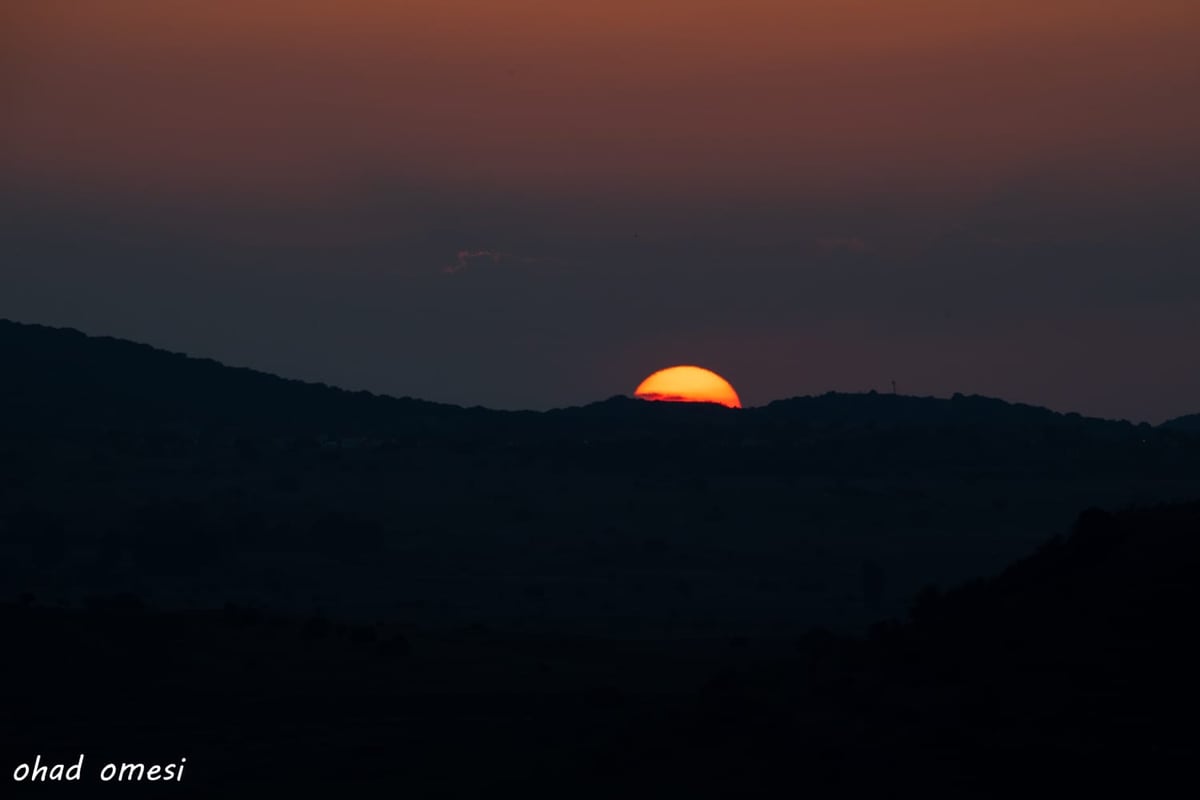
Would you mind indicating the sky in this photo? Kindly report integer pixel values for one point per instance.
(533, 204)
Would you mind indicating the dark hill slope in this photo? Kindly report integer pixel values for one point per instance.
(63, 379)
(1071, 671)
(1186, 424)
(884, 411)
(1073, 667)
(60, 382)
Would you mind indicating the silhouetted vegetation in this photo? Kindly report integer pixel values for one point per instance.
(1074, 664)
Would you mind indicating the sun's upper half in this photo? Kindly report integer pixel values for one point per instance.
(688, 384)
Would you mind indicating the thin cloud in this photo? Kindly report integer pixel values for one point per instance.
(467, 259)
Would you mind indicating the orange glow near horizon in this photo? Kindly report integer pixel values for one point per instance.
(688, 384)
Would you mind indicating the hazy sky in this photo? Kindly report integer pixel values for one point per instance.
(534, 203)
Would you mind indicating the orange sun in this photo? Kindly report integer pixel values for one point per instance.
(688, 385)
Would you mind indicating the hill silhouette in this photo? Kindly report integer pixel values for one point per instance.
(62, 378)
(59, 381)
(129, 469)
(624, 597)
(1187, 424)
(1071, 668)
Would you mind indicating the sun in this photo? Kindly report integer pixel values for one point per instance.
(687, 384)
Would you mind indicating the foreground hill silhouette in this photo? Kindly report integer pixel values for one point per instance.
(1072, 669)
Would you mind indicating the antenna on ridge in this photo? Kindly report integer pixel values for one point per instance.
(893, 385)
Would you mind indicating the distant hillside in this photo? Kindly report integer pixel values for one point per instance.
(59, 381)
(62, 378)
(1187, 424)
(895, 411)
